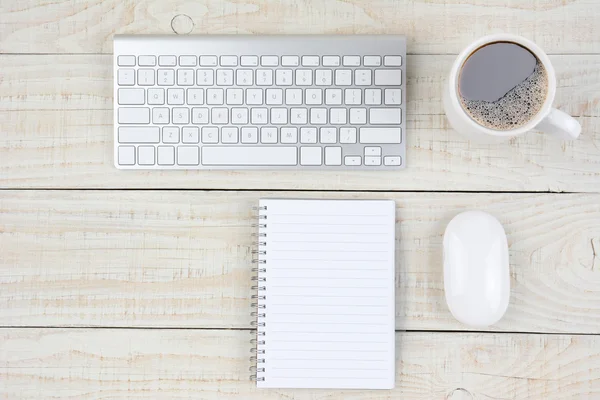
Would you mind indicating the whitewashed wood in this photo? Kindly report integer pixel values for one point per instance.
(94, 364)
(182, 259)
(87, 26)
(57, 132)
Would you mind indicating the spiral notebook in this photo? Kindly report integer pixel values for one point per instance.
(325, 294)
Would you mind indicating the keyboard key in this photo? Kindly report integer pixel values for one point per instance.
(333, 96)
(239, 116)
(224, 77)
(293, 97)
(139, 134)
(126, 77)
(254, 96)
(343, 77)
(274, 96)
(175, 96)
(279, 116)
(388, 77)
(187, 61)
(392, 160)
(264, 77)
(167, 61)
(131, 96)
(181, 115)
(160, 115)
(310, 156)
(244, 77)
(283, 77)
(147, 61)
(314, 96)
(372, 61)
(385, 116)
(310, 61)
(204, 77)
(166, 155)
(145, 77)
(229, 61)
(362, 77)
(249, 61)
(303, 77)
(380, 135)
(323, 77)
(249, 134)
(190, 135)
(229, 135)
(235, 96)
(347, 135)
(372, 151)
(126, 61)
(392, 61)
(352, 160)
(268, 135)
(210, 134)
(188, 155)
(358, 116)
(146, 155)
(373, 97)
(208, 61)
(156, 96)
(328, 135)
(373, 161)
(133, 115)
(195, 97)
(249, 155)
(393, 96)
(289, 135)
(331, 61)
(333, 156)
(170, 134)
(269, 61)
(219, 116)
(185, 77)
(308, 135)
(166, 77)
(214, 96)
(126, 155)
(352, 96)
(258, 116)
(337, 116)
(290, 61)
(199, 116)
(351, 61)
(299, 116)
(318, 116)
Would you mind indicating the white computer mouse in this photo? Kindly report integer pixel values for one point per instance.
(476, 274)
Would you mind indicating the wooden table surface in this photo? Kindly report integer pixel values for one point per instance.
(136, 285)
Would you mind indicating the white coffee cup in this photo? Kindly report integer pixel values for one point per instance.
(548, 119)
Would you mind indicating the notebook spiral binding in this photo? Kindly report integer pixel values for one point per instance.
(259, 268)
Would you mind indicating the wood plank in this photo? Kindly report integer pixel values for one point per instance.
(182, 259)
(57, 132)
(93, 364)
(87, 26)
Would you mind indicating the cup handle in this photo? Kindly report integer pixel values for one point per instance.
(560, 125)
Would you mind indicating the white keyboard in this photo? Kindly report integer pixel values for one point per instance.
(271, 102)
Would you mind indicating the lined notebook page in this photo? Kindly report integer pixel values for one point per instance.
(329, 316)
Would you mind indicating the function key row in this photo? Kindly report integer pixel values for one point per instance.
(255, 61)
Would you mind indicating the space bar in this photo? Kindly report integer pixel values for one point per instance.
(249, 155)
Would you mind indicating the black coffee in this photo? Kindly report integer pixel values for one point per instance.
(502, 86)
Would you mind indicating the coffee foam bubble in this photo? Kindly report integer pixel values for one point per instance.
(515, 108)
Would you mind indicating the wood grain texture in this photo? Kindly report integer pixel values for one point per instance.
(57, 132)
(94, 364)
(432, 27)
(182, 259)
